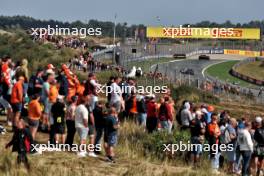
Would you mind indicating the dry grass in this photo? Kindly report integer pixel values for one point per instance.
(252, 69)
(130, 160)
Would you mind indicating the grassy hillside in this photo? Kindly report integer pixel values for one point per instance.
(221, 71)
(19, 45)
(252, 69)
(138, 153)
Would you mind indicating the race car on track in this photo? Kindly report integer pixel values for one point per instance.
(187, 71)
(204, 57)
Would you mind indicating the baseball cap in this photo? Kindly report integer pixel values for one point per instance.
(50, 66)
(241, 125)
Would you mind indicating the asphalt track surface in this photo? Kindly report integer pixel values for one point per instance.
(172, 68)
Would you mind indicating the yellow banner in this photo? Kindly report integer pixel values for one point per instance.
(243, 52)
(213, 33)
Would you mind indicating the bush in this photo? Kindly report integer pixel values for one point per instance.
(19, 45)
(154, 143)
(193, 94)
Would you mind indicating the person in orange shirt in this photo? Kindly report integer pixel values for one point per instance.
(71, 89)
(132, 106)
(213, 140)
(17, 99)
(54, 92)
(34, 114)
(80, 89)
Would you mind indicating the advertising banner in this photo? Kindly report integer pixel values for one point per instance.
(242, 52)
(206, 33)
(217, 51)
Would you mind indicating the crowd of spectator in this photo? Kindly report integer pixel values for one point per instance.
(53, 100)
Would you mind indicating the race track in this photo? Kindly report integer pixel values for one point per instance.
(172, 69)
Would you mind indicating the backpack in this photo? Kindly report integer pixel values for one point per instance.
(225, 137)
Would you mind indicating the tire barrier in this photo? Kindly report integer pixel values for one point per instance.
(245, 77)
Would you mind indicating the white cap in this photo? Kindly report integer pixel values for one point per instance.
(258, 120)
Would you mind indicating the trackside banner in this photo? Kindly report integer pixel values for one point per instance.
(206, 33)
(242, 52)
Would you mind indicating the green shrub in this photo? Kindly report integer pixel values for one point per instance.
(154, 143)
(193, 94)
(19, 45)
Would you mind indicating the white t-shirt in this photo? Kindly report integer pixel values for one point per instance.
(116, 93)
(81, 114)
(244, 140)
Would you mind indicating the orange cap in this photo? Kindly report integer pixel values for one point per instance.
(210, 108)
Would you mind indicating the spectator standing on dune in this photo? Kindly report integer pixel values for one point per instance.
(70, 120)
(259, 139)
(111, 127)
(21, 142)
(116, 94)
(81, 124)
(152, 116)
(186, 116)
(213, 140)
(246, 147)
(17, 99)
(91, 87)
(58, 115)
(34, 114)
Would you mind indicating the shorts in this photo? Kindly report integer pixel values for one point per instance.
(197, 149)
(82, 132)
(16, 107)
(59, 129)
(5, 103)
(91, 131)
(259, 151)
(111, 139)
(33, 123)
